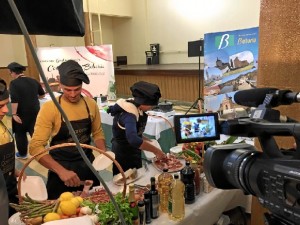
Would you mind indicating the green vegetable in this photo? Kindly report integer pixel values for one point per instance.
(109, 216)
(190, 153)
(89, 204)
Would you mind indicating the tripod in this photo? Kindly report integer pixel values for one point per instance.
(195, 48)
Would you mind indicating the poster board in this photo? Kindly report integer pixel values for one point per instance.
(230, 60)
(96, 62)
(230, 65)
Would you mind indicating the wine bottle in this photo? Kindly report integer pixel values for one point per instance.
(154, 199)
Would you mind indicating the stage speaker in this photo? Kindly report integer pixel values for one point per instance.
(44, 17)
(196, 48)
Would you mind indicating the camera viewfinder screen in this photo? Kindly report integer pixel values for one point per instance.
(196, 127)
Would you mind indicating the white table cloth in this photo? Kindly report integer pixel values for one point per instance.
(207, 208)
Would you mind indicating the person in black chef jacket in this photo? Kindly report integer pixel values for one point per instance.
(8, 173)
(129, 124)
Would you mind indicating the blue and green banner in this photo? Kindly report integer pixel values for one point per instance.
(230, 65)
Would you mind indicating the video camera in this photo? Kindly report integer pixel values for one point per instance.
(273, 175)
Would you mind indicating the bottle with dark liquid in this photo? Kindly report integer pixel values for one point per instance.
(142, 213)
(133, 205)
(147, 207)
(197, 178)
(187, 177)
(154, 199)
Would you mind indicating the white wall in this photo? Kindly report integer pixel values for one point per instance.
(137, 23)
(108, 7)
(172, 23)
(12, 48)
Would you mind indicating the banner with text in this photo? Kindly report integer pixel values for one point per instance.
(230, 60)
(96, 61)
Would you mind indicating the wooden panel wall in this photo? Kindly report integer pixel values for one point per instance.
(279, 62)
(175, 85)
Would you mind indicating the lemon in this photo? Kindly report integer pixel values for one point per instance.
(66, 196)
(51, 216)
(75, 201)
(80, 199)
(59, 211)
(68, 208)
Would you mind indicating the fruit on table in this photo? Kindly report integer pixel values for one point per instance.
(51, 217)
(75, 201)
(68, 208)
(80, 199)
(66, 196)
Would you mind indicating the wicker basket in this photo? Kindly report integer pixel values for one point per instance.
(68, 145)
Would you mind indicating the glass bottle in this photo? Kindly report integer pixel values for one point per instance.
(142, 213)
(154, 199)
(164, 181)
(147, 207)
(187, 177)
(197, 178)
(176, 207)
(133, 205)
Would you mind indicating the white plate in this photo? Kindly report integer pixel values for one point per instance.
(15, 219)
(101, 162)
(35, 187)
(149, 155)
(140, 172)
(176, 149)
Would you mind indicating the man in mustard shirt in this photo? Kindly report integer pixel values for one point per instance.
(66, 166)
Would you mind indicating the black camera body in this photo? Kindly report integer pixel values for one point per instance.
(272, 175)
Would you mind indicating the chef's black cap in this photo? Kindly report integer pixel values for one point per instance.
(145, 93)
(71, 74)
(3, 90)
(16, 67)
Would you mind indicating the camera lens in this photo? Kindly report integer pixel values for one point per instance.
(234, 167)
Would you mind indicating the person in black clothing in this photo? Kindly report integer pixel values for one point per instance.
(129, 124)
(25, 93)
(8, 172)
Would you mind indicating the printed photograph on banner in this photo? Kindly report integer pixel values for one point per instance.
(230, 61)
(96, 61)
(230, 65)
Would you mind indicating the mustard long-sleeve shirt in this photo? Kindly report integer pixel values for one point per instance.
(48, 121)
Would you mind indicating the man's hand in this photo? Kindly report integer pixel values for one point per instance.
(70, 178)
(160, 155)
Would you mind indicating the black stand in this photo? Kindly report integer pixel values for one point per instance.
(195, 48)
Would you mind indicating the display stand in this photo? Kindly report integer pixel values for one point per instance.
(196, 49)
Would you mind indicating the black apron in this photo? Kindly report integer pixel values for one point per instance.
(125, 154)
(69, 157)
(7, 159)
(3, 201)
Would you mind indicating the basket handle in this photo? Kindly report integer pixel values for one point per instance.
(68, 145)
